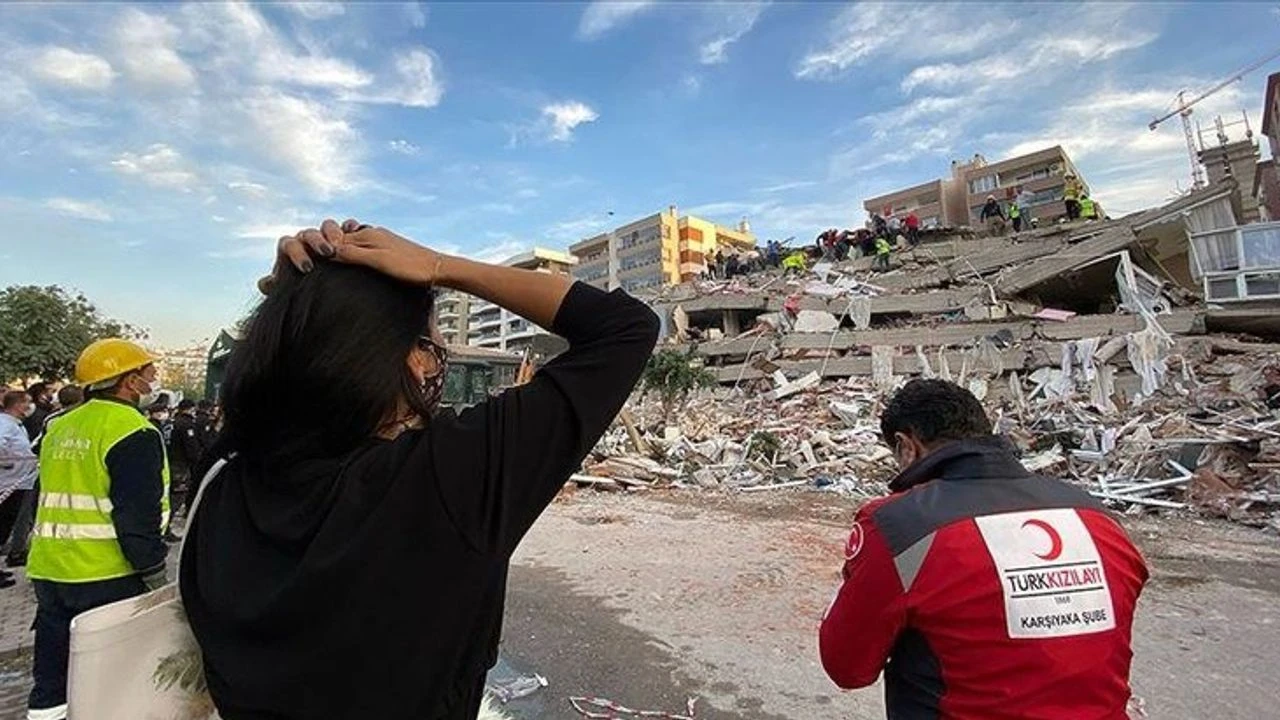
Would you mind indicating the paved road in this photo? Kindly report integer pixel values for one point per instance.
(649, 600)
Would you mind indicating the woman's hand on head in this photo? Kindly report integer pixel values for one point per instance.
(356, 244)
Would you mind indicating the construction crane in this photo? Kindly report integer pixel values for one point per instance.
(1183, 108)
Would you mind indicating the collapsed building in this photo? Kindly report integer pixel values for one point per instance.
(1135, 355)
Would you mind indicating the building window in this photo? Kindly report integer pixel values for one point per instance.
(984, 184)
(1033, 175)
(1261, 246)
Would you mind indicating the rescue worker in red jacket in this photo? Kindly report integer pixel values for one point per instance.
(982, 592)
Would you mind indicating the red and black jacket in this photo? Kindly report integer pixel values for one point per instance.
(985, 592)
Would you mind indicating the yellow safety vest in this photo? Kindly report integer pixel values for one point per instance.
(883, 247)
(1086, 208)
(74, 539)
(1014, 212)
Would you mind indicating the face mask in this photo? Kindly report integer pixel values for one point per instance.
(31, 410)
(152, 394)
(432, 386)
(162, 417)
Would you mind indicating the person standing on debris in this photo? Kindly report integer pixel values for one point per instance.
(993, 217)
(1015, 215)
(1072, 189)
(772, 252)
(1088, 210)
(794, 262)
(979, 589)
(912, 224)
(353, 564)
(17, 464)
(878, 225)
(883, 249)
(104, 482)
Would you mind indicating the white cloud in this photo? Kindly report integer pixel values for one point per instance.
(316, 10)
(785, 186)
(736, 20)
(416, 82)
(307, 138)
(575, 230)
(864, 30)
(83, 209)
(497, 253)
(69, 68)
(603, 15)
(146, 45)
(159, 166)
(251, 189)
(562, 118)
(1057, 52)
(403, 147)
(415, 14)
(276, 65)
(526, 193)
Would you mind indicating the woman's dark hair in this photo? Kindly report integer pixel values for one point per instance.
(322, 364)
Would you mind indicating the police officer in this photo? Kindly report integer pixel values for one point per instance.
(104, 480)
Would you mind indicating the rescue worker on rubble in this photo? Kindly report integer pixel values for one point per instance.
(883, 248)
(1072, 189)
(1088, 210)
(993, 216)
(103, 509)
(1015, 215)
(982, 592)
(794, 262)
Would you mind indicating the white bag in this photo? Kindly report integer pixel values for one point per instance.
(137, 659)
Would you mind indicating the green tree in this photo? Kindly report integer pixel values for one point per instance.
(673, 375)
(43, 330)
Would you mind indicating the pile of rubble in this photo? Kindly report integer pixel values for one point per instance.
(1208, 439)
(1087, 342)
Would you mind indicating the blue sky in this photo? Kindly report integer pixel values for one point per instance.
(152, 153)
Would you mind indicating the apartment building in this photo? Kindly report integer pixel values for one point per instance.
(660, 249)
(495, 328)
(453, 314)
(1266, 183)
(1237, 160)
(958, 199)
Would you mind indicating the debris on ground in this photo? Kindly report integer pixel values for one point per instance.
(1084, 342)
(602, 709)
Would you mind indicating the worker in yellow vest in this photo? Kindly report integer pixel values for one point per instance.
(102, 512)
(883, 248)
(1072, 189)
(1088, 210)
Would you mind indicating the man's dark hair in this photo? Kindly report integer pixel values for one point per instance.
(70, 395)
(186, 404)
(205, 405)
(13, 397)
(934, 411)
(327, 351)
(38, 390)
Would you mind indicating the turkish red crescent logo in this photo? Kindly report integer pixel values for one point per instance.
(1055, 539)
(853, 545)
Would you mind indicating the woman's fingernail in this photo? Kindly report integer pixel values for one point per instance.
(307, 266)
(328, 250)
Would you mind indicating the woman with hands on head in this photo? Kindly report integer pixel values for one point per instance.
(350, 560)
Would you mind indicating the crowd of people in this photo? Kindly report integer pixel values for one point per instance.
(188, 430)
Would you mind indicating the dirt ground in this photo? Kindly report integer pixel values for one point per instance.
(650, 599)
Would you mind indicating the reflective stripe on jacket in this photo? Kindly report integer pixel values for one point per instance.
(74, 534)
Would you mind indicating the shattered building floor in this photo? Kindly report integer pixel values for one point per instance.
(1086, 341)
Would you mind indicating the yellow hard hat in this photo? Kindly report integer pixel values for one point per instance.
(110, 358)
